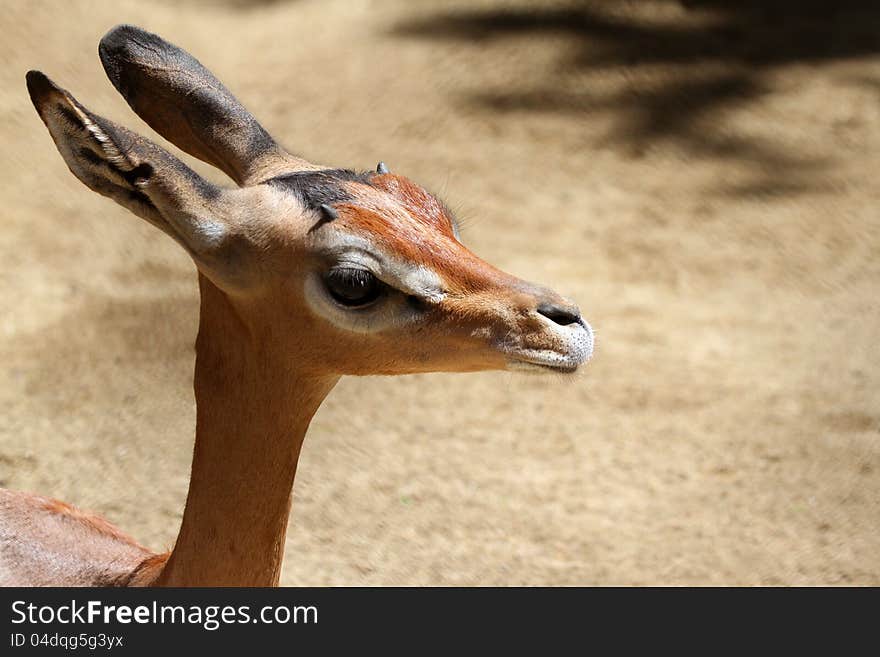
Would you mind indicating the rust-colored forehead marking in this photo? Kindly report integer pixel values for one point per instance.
(422, 206)
(412, 223)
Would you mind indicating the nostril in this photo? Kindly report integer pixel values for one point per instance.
(560, 314)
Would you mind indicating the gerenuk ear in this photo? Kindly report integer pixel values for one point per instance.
(135, 172)
(181, 100)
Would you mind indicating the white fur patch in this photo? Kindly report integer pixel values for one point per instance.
(393, 310)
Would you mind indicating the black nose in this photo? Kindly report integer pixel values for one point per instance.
(562, 315)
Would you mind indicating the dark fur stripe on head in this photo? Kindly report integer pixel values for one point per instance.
(316, 188)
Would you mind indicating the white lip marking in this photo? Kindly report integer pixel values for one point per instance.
(576, 343)
(567, 348)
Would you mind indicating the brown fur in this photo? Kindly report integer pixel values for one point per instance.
(266, 356)
(44, 542)
(412, 223)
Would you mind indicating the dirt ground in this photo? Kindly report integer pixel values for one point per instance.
(703, 180)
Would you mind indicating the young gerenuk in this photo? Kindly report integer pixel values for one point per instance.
(306, 273)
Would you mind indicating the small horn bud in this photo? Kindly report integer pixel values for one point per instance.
(381, 168)
(330, 213)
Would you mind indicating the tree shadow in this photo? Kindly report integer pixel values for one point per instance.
(239, 5)
(715, 56)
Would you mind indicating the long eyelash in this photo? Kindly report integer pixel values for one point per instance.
(351, 275)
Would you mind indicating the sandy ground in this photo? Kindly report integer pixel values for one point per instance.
(715, 215)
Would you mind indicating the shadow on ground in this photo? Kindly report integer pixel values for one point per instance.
(680, 72)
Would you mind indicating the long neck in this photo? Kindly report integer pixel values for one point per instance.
(252, 416)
